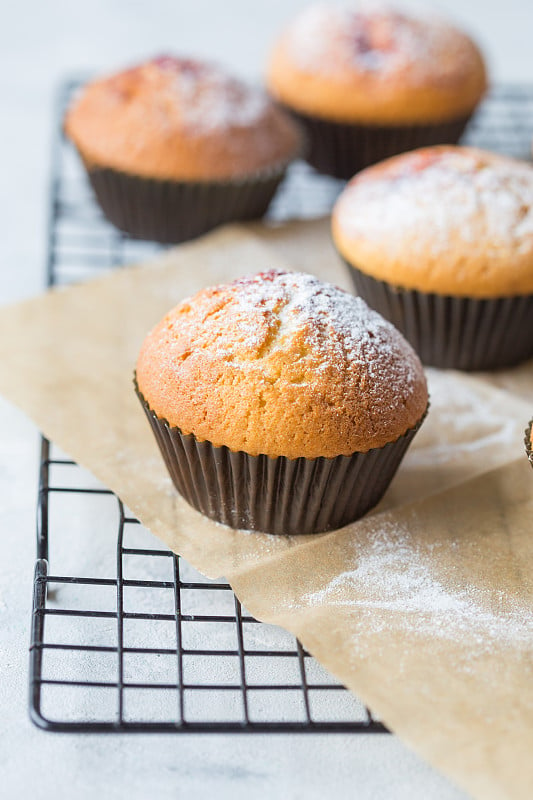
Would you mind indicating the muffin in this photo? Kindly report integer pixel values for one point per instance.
(280, 403)
(175, 147)
(440, 241)
(368, 83)
(528, 441)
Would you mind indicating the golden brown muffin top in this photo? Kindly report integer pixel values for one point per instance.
(376, 65)
(179, 118)
(282, 364)
(450, 220)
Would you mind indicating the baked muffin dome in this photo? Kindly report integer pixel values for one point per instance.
(179, 118)
(449, 220)
(282, 364)
(378, 66)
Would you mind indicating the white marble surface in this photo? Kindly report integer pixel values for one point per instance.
(39, 43)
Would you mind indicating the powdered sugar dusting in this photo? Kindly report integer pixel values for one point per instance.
(270, 309)
(377, 38)
(472, 416)
(203, 95)
(396, 580)
(435, 199)
(218, 101)
(284, 365)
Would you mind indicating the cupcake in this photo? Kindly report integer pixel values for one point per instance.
(528, 441)
(175, 147)
(280, 403)
(370, 82)
(440, 241)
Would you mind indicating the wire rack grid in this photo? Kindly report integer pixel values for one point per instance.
(146, 643)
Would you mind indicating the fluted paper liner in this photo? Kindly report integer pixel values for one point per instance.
(169, 211)
(342, 149)
(423, 607)
(275, 495)
(454, 332)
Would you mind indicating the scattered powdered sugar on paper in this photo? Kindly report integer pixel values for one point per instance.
(474, 418)
(395, 575)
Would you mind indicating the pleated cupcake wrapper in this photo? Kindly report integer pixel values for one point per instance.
(276, 495)
(454, 332)
(342, 149)
(170, 212)
(527, 442)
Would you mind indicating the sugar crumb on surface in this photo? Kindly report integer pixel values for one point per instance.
(400, 585)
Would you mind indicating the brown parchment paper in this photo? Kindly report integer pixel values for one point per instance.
(518, 381)
(423, 608)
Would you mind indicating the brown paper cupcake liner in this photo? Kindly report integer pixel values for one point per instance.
(527, 442)
(341, 149)
(276, 495)
(465, 333)
(170, 212)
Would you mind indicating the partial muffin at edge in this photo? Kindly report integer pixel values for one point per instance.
(449, 220)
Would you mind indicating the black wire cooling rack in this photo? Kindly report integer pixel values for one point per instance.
(147, 643)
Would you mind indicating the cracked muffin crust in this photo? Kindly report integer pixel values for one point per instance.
(282, 364)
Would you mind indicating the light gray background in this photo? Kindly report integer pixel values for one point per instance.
(39, 43)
